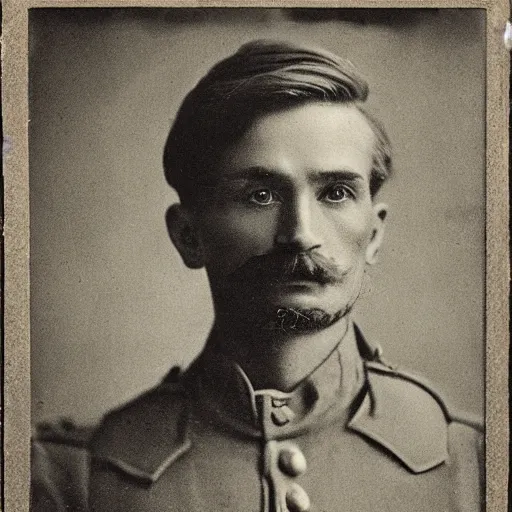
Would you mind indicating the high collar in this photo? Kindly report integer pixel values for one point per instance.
(223, 390)
(393, 410)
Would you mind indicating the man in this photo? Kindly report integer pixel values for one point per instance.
(288, 408)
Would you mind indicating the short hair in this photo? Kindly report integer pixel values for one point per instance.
(260, 78)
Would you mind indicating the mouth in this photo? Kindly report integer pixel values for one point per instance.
(298, 287)
(297, 293)
(300, 282)
(318, 278)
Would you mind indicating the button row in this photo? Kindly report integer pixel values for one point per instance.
(292, 462)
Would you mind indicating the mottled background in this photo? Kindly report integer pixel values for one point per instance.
(112, 306)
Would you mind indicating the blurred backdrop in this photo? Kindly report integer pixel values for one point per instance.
(113, 307)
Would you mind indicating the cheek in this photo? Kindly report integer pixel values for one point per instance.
(234, 238)
(353, 235)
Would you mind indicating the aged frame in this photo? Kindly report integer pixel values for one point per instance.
(16, 231)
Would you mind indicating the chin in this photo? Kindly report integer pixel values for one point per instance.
(271, 306)
(295, 321)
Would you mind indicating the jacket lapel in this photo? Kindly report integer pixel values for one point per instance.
(145, 437)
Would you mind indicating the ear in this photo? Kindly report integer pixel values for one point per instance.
(379, 213)
(180, 226)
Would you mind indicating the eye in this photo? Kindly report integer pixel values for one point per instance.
(262, 197)
(337, 194)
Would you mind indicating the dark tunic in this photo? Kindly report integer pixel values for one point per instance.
(355, 435)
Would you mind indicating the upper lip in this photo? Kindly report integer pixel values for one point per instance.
(297, 278)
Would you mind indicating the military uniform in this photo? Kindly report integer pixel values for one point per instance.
(355, 435)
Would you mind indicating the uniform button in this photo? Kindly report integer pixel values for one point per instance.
(292, 461)
(280, 417)
(296, 499)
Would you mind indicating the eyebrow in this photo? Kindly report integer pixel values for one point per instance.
(265, 173)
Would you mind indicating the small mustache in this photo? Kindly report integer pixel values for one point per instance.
(277, 267)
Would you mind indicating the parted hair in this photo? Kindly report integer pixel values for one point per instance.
(260, 78)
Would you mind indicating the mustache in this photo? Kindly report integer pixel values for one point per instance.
(281, 266)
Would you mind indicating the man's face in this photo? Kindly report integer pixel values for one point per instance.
(297, 182)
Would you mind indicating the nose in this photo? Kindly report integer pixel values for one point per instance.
(296, 229)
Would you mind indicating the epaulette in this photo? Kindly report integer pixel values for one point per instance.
(452, 414)
(384, 368)
(60, 467)
(469, 420)
(64, 432)
(143, 438)
(374, 362)
(67, 432)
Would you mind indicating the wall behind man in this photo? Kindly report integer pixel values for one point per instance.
(112, 306)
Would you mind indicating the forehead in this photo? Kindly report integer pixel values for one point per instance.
(312, 137)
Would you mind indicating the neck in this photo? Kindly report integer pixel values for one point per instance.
(275, 359)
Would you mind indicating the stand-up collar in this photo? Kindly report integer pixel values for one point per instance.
(393, 410)
(224, 391)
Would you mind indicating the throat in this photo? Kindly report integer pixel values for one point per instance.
(279, 358)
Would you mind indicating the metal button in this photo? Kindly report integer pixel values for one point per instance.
(280, 417)
(297, 499)
(292, 461)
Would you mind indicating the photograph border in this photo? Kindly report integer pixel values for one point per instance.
(16, 228)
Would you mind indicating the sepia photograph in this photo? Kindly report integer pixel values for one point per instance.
(258, 259)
